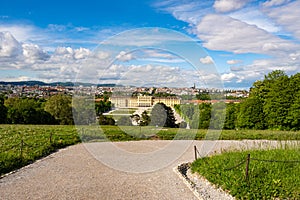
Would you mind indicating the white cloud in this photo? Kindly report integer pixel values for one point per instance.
(188, 11)
(275, 3)
(229, 5)
(287, 16)
(256, 17)
(220, 32)
(124, 56)
(228, 77)
(33, 53)
(206, 60)
(233, 62)
(9, 46)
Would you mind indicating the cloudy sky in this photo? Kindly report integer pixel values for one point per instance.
(111, 42)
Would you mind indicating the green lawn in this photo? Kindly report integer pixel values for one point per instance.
(22, 144)
(267, 180)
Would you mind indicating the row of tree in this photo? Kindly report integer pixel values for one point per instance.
(58, 109)
(273, 103)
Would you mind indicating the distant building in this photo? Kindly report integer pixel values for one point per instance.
(142, 101)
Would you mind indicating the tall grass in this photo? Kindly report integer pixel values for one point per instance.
(272, 175)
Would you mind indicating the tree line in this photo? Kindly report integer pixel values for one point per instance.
(58, 109)
(273, 103)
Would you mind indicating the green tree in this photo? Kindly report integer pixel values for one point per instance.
(60, 107)
(145, 119)
(103, 120)
(27, 111)
(162, 115)
(231, 116)
(293, 117)
(251, 115)
(102, 106)
(278, 100)
(3, 111)
(84, 110)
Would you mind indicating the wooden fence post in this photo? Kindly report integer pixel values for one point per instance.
(195, 151)
(21, 150)
(50, 139)
(247, 167)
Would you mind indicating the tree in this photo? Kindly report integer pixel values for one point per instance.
(251, 115)
(201, 117)
(27, 111)
(278, 100)
(84, 110)
(102, 106)
(3, 111)
(162, 115)
(218, 112)
(231, 116)
(60, 107)
(103, 120)
(145, 119)
(293, 117)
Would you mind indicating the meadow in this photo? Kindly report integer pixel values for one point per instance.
(21, 145)
(272, 174)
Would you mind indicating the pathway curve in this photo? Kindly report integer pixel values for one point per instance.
(73, 173)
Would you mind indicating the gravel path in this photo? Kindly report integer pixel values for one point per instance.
(74, 173)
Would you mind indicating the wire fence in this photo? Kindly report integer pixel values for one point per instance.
(244, 160)
(49, 143)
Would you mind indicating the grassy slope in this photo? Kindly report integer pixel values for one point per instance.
(267, 180)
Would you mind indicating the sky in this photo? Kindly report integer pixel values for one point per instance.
(173, 43)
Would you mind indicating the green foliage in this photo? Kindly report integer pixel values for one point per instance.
(36, 143)
(27, 111)
(278, 95)
(145, 119)
(60, 107)
(102, 106)
(163, 116)
(251, 115)
(104, 120)
(3, 111)
(203, 96)
(231, 116)
(83, 110)
(267, 180)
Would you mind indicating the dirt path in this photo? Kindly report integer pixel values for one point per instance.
(74, 173)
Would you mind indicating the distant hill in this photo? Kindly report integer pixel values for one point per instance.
(64, 84)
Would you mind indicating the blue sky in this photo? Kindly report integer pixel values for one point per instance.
(58, 40)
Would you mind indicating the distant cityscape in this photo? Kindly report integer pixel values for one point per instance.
(122, 96)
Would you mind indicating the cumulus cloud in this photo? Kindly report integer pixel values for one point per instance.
(206, 60)
(229, 5)
(233, 62)
(287, 16)
(124, 56)
(228, 77)
(9, 46)
(275, 3)
(32, 53)
(220, 32)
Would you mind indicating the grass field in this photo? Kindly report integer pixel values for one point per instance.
(22, 144)
(273, 174)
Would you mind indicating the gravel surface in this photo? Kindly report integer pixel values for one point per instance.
(75, 173)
